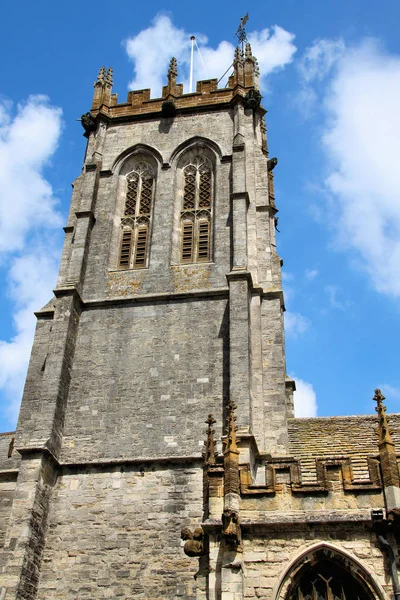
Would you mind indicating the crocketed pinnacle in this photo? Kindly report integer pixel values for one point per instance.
(248, 53)
(231, 441)
(105, 76)
(384, 433)
(238, 56)
(173, 69)
(210, 453)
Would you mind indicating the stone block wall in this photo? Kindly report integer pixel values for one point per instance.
(114, 532)
(144, 378)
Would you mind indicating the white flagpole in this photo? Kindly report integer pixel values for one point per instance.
(191, 65)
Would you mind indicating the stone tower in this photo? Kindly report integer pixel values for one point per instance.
(168, 309)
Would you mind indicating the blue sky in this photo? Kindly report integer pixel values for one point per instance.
(331, 85)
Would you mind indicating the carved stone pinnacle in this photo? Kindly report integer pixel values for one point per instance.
(210, 453)
(231, 442)
(383, 427)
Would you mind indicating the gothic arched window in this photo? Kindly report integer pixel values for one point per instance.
(196, 211)
(327, 580)
(135, 222)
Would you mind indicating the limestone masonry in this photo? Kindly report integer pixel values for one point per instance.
(156, 454)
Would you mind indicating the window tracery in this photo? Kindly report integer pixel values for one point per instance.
(196, 211)
(327, 580)
(135, 222)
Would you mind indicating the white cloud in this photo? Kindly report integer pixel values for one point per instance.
(361, 129)
(391, 392)
(305, 399)
(287, 276)
(319, 58)
(152, 48)
(274, 48)
(295, 324)
(28, 218)
(311, 273)
(362, 144)
(333, 292)
(315, 64)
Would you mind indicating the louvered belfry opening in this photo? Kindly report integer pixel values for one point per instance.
(196, 213)
(135, 222)
(327, 580)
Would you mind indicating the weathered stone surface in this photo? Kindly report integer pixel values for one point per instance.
(128, 362)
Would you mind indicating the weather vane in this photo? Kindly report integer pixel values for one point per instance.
(241, 32)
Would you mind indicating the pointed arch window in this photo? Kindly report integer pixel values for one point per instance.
(196, 211)
(327, 580)
(136, 220)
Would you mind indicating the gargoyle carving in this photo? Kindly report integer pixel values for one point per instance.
(168, 108)
(194, 541)
(271, 164)
(253, 99)
(231, 529)
(88, 123)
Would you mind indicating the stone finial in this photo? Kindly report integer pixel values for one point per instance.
(102, 88)
(109, 77)
(101, 76)
(384, 433)
(248, 53)
(172, 88)
(210, 453)
(238, 56)
(387, 455)
(230, 517)
(173, 69)
(104, 77)
(231, 440)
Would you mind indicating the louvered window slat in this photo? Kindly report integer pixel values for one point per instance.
(126, 248)
(204, 241)
(137, 217)
(187, 241)
(141, 248)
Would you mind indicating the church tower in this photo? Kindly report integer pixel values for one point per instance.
(156, 439)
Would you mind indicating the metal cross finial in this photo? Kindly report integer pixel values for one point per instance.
(241, 32)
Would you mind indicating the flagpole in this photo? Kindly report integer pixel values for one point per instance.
(191, 65)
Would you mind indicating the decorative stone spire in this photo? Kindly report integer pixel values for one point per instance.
(172, 89)
(230, 517)
(102, 88)
(246, 72)
(384, 433)
(248, 53)
(387, 455)
(210, 453)
(101, 76)
(173, 70)
(231, 441)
